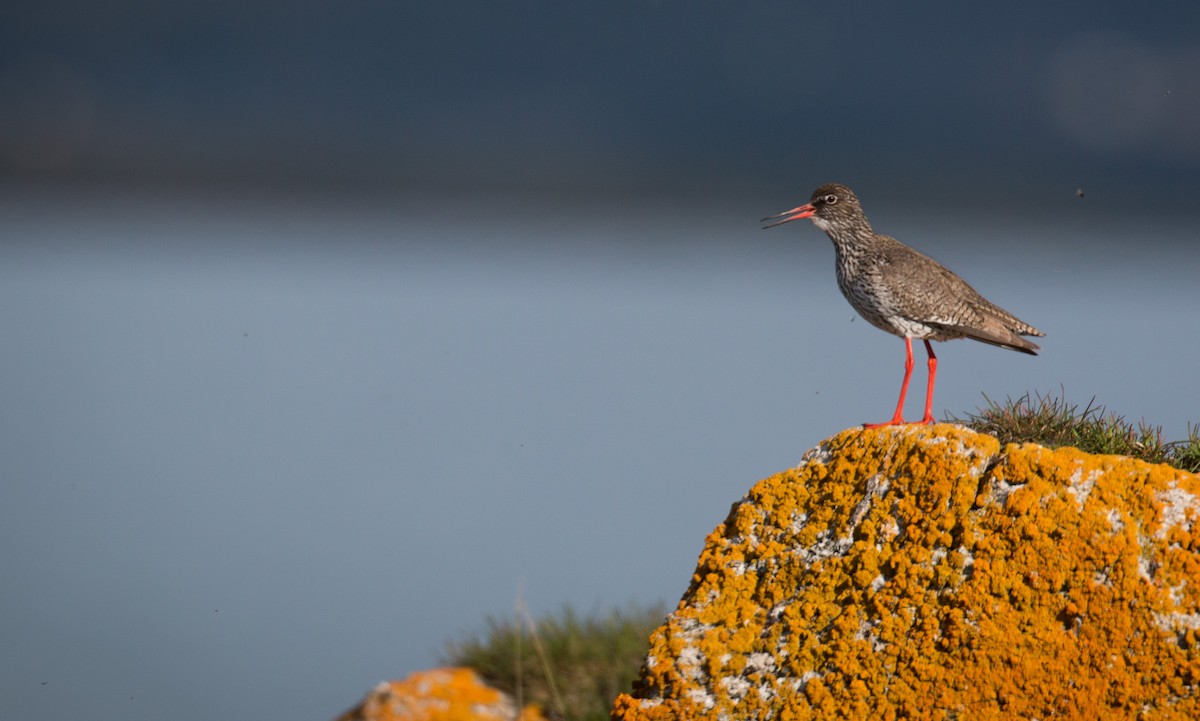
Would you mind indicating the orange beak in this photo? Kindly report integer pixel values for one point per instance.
(803, 211)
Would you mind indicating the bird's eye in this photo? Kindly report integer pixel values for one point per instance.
(831, 199)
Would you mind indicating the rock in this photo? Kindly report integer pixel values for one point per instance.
(922, 573)
(444, 694)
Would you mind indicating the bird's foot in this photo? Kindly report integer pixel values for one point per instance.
(898, 421)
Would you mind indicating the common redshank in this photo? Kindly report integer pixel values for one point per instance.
(904, 292)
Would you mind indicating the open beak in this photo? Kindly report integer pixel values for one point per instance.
(804, 211)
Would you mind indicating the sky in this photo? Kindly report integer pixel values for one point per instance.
(328, 328)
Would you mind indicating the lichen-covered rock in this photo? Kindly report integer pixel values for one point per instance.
(923, 573)
(444, 694)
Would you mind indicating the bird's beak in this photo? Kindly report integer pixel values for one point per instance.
(803, 211)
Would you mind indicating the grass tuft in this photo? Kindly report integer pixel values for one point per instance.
(570, 665)
(1053, 422)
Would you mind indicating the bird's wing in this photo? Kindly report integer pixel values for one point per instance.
(943, 299)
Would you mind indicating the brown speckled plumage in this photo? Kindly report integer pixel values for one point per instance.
(905, 292)
(902, 291)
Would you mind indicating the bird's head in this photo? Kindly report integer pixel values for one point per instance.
(833, 206)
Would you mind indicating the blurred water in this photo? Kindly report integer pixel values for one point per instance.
(262, 455)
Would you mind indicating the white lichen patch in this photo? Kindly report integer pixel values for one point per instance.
(888, 530)
(1176, 592)
(1178, 509)
(826, 547)
(691, 662)
(1177, 623)
(866, 633)
(821, 455)
(968, 558)
(999, 491)
(735, 686)
(798, 522)
(876, 487)
(760, 663)
(701, 697)
(1115, 521)
(807, 676)
(1081, 486)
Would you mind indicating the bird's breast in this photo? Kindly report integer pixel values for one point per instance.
(874, 301)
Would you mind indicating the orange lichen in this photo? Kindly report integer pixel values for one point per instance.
(923, 573)
(444, 694)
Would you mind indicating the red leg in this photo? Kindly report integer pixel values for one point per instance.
(898, 418)
(929, 389)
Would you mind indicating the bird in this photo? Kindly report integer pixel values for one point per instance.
(903, 291)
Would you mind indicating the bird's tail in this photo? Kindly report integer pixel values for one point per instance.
(1001, 337)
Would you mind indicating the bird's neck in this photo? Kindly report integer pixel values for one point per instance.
(850, 240)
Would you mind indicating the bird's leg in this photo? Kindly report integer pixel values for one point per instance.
(929, 389)
(898, 418)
